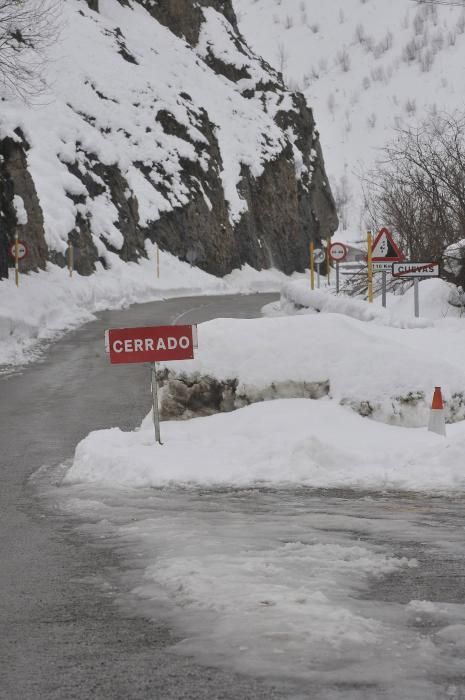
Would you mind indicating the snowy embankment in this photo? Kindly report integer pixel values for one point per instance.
(297, 441)
(380, 370)
(50, 302)
(383, 365)
(435, 297)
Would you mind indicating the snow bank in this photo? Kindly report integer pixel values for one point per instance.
(435, 295)
(385, 372)
(50, 302)
(315, 443)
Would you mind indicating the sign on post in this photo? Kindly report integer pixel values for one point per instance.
(383, 253)
(385, 249)
(151, 344)
(337, 253)
(415, 270)
(18, 251)
(22, 250)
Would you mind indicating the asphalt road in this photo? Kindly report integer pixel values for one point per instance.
(59, 638)
(62, 636)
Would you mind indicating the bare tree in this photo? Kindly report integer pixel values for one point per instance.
(27, 29)
(418, 188)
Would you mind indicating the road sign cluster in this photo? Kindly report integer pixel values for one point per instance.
(387, 257)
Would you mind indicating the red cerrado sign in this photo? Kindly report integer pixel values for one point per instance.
(150, 344)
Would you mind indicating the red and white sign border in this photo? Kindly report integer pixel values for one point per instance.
(330, 253)
(21, 244)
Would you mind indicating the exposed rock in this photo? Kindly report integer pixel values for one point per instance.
(409, 410)
(184, 17)
(288, 204)
(16, 180)
(186, 396)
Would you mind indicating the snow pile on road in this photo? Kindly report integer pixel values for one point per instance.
(49, 302)
(294, 441)
(376, 368)
(385, 372)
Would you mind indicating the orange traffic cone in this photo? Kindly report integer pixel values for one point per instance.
(437, 420)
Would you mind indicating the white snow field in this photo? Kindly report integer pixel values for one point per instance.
(367, 68)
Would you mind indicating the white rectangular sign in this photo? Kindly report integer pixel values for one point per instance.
(382, 266)
(415, 269)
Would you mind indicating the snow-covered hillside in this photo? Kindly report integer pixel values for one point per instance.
(143, 132)
(367, 67)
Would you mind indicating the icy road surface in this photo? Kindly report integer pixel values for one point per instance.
(325, 595)
(140, 594)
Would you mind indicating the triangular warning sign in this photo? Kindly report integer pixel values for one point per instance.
(385, 249)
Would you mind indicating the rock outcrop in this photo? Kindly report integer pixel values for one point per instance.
(162, 160)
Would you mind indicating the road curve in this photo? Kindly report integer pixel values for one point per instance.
(60, 638)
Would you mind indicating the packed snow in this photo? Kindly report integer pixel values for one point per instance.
(382, 363)
(367, 68)
(370, 365)
(281, 442)
(436, 299)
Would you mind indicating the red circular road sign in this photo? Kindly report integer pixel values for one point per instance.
(337, 252)
(22, 250)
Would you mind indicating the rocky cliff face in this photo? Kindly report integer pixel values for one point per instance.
(161, 124)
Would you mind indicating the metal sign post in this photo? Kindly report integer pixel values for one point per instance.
(17, 259)
(155, 407)
(370, 267)
(337, 252)
(416, 297)
(328, 261)
(70, 258)
(312, 262)
(319, 256)
(415, 270)
(383, 289)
